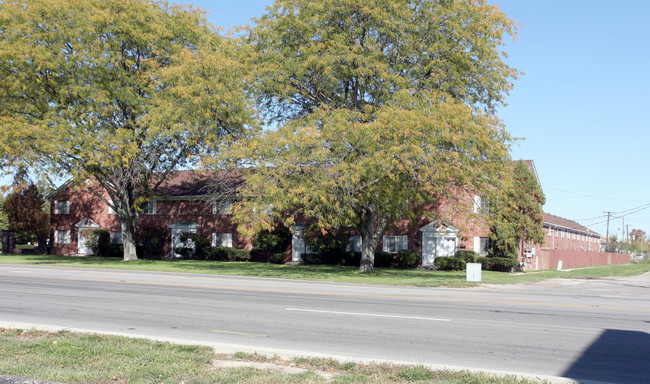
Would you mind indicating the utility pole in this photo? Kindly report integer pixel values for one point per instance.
(627, 230)
(608, 213)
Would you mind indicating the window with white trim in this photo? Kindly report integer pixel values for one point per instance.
(222, 240)
(481, 205)
(116, 237)
(353, 243)
(62, 207)
(484, 246)
(62, 237)
(223, 207)
(149, 207)
(394, 244)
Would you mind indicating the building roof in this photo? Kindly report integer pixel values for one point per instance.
(556, 221)
(199, 183)
(189, 183)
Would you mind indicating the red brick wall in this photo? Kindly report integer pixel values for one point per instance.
(548, 259)
(565, 240)
(84, 204)
(458, 213)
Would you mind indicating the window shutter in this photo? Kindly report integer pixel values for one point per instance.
(405, 242)
(384, 242)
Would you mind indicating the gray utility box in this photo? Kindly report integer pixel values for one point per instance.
(473, 271)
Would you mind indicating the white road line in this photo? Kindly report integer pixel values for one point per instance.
(366, 314)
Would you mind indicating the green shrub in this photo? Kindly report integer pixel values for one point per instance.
(276, 241)
(111, 250)
(99, 242)
(352, 258)
(331, 244)
(311, 258)
(151, 243)
(448, 263)
(499, 264)
(468, 256)
(226, 254)
(200, 245)
(277, 258)
(384, 259)
(407, 259)
(95, 237)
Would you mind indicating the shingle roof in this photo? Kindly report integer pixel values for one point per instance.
(199, 183)
(552, 220)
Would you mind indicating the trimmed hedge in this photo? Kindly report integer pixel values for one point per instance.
(404, 259)
(407, 259)
(100, 244)
(499, 264)
(226, 254)
(277, 258)
(384, 259)
(325, 258)
(200, 245)
(468, 256)
(449, 263)
(352, 258)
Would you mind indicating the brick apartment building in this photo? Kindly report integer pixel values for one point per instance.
(181, 206)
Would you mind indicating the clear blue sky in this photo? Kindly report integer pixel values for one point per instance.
(581, 108)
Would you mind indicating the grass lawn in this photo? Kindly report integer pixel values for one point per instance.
(382, 276)
(83, 358)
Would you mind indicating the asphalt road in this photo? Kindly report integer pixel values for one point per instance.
(587, 330)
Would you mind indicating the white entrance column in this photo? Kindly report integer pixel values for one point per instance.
(298, 246)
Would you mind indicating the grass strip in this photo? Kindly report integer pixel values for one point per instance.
(84, 358)
(343, 274)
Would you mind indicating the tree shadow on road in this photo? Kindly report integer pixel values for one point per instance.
(617, 356)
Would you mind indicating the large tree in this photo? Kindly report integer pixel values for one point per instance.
(380, 105)
(119, 92)
(517, 216)
(26, 214)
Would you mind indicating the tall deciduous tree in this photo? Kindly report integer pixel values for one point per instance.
(26, 215)
(4, 220)
(518, 216)
(381, 105)
(121, 92)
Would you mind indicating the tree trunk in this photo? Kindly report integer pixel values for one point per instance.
(371, 229)
(128, 222)
(367, 253)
